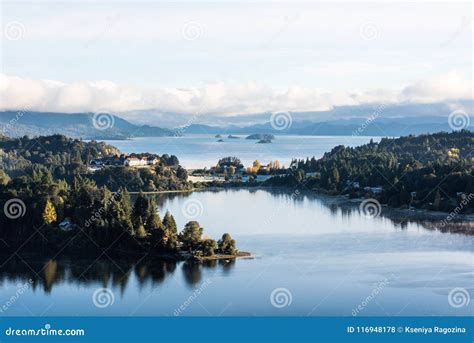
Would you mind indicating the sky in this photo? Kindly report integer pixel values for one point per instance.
(228, 58)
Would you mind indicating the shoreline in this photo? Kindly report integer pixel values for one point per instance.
(432, 220)
(344, 200)
(340, 200)
(179, 257)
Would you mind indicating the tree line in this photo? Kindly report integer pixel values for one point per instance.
(63, 207)
(433, 171)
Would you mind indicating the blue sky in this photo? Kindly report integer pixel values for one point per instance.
(226, 57)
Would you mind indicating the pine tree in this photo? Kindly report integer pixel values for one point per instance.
(437, 200)
(169, 223)
(140, 229)
(208, 247)
(152, 220)
(170, 233)
(126, 206)
(226, 245)
(140, 209)
(191, 235)
(335, 176)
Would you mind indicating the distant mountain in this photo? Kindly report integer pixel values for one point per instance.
(76, 125)
(343, 127)
(406, 110)
(391, 121)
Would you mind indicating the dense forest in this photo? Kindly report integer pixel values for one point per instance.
(52, 202)
(432, 172)
(66, 158)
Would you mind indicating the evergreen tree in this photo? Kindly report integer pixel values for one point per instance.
(140, 210)
(191, 235)
(208, 247)
(437, 200)
(152, 219)
(170, 231)
(140, 229)
(169, 223)
(226, 245)
(335, 176)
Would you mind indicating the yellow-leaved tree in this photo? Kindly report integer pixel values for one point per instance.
(49, 213)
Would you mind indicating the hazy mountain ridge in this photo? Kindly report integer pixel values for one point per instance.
(75, 125)
(357, 127)
(81, 125)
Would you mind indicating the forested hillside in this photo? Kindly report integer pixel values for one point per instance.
(427, 171)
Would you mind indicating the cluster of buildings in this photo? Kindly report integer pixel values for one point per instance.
(131, 160)
(356, 185)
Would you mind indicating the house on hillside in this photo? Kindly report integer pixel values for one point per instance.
(134, 161)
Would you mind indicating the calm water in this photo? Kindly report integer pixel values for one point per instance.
(328, 259)
(198, 151)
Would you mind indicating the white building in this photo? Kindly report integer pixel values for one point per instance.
(143, 161)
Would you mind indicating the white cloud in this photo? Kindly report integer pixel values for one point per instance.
(442, 87)
(215, 98)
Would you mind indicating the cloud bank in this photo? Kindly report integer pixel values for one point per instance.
(215, 98)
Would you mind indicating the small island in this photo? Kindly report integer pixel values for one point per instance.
(261, 136)
(217, 136)
(264, 141)
(233, 137)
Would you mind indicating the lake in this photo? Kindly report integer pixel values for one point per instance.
(310, 257)
(201, 150)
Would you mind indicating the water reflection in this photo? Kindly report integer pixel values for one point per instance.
(46, 273)
(338, 206)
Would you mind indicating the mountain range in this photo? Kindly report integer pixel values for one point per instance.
(75, 125)
(106, 126)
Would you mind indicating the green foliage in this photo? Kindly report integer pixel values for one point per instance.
(191, 235)
(403, 166)
(64, 157)
(140, 230)
(50, 176)
(145, 212)
(170, 231)
(4, 178)
(208, 247)
(226, 245)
